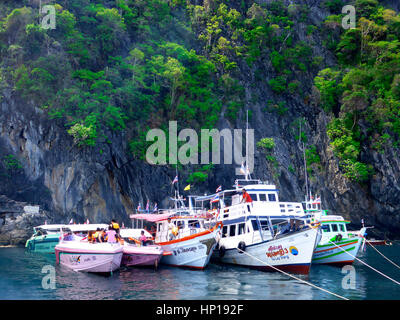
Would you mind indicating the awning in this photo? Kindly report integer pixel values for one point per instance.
(152, 217)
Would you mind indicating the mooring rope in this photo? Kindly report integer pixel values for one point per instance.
(292, 276)
(381, 253)
(364, 263)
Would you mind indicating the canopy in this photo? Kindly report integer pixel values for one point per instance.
(85, 227)
(152, 217)
(133, 233)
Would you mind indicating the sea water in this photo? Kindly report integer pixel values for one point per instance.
(23, 276)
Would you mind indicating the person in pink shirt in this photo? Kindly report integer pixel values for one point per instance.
(111, 236)
(143, 238)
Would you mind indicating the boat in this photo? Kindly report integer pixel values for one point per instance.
(135, 254)
(44, 238)
(193, 242)
(47, 236)
(77, 253)
(265, 234)
(337, 246)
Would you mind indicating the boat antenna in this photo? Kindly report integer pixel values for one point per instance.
(247, 145)
(305, 163)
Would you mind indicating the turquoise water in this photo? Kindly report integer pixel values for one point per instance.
(21, 278)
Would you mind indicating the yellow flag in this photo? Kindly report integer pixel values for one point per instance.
(187, 187)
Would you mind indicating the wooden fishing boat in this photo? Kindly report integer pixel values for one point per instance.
(192, 243)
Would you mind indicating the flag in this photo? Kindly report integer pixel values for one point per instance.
(147, 206)
(155, 207)
(71, 221)
(219, 189)
(175, 180)
(138, 207)
(215, 199)
(87, 221)
(123, 225)
(243, 169)
(187, 187)
(45, 222)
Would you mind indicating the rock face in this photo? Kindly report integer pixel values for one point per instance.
(104, 182)
(17, 221)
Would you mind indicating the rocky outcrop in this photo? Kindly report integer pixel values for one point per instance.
(17, 220)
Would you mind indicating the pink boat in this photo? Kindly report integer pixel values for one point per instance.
(139, 255)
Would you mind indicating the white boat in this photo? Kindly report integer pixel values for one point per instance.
(272, 234)
(337, 246)
(136, 254)
(76, 253)
(193, 244)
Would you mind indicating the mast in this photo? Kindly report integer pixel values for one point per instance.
(247, 145)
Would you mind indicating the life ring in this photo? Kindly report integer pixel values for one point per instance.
(222, 251)
(339, 237)
(241, 246)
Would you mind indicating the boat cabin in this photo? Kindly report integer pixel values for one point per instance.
(332, 225)
(184, 226)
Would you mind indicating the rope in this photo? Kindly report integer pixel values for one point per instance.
(366, 264)
(381, 253)
(294, 277)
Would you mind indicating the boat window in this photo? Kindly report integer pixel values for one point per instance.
(334, 227)
(241, 228)
(224, 231)
(262, 197)
(194, 224)
(180, 224)
(264, 224)
(254, 224)
(271, 197)
(253, 196)
(232, 230)
(326, 228)
(342, 228)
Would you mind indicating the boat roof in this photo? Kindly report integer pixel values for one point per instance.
(133, 233)
(151, 217)
(50, 226)
(85, 227)
(333, 218)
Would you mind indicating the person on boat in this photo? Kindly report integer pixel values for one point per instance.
(111, 235)
(246, 197)
(114, 225)
(143, 238)
(172, 230)
(96, 235)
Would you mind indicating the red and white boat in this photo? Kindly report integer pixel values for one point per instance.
(192, 244)
(78, 254)
(137, 255)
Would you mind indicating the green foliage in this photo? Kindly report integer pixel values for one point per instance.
(197, 177)
(327, 82)
(11, 163)
(266, 143)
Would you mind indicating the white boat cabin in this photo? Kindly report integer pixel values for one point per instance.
(179, 227)
(263, 219)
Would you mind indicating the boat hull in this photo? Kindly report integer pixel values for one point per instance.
(97, 258)
(330, 253)
(292, 253)
(192, 252)
(43, 244)
(141, 256)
